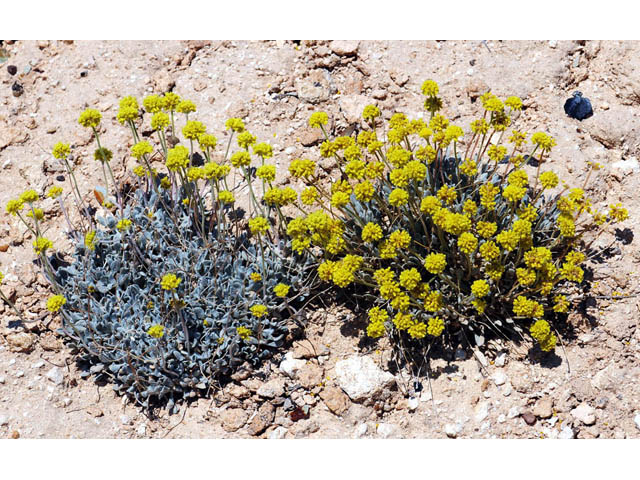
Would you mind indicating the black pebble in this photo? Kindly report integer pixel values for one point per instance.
(578, 107)
(12, 69)
(84, 73)
(17, 89)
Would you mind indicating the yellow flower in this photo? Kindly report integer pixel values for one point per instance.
(195, 173)
(371, 232)
(525, 276)
(355, 169)
(339, 199)
(544, 141)
(243, 332)
(375, 329)
(124, 224)
(258, 225)
(447, 194)
(41, 245)
(617, 213)
(29, 196)
(518, 178)
(160, 121)
(309, 196)
(375, 170)
(317, 119)
(266, 173)
(524, 307)
(127, 113)
(514, 103)
(55, 303)
(256, 277)
(170, 281)
(541, 331)
(430, 205)
(435, 263)
(54, 192)
(496, 153)
(186, 106)
(170, 101)
(398, 197)
(430, 88)
(207, 141)
(245, 140)
(90, 240)
(90, 118)
(177, 158)
(400, 239)
(263, 150)
(469, 168)
(486, 229)
(281, 290)
(235, 124)
(141, 149)
(364, 191)
(561, 304)
(240, 159)
(193, 129)
(467, 243)
(403, 321)
(156, 331)
(436, 326)
(480, 288)
(410, 279)
(225, 196)
(371, 112)
(489, 251)
(61, 150)
(302, 168)
(152, 103)
(37, 212)
(417, 330)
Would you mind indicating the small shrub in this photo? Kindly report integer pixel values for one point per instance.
(435, 238)
(168, 291)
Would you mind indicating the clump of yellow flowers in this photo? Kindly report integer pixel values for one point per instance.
(448, 229)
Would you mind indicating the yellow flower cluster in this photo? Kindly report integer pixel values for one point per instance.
(170, 282)
(55, 303)
(541, 331)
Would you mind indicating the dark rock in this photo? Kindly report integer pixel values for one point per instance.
(578, 107)
(12, 69)
(17, 89)
(529, 418)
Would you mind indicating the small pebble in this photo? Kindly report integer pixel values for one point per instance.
(125, 420)
(12, 69)
(636, 419)
(19, 374)
(553, 43)
(566, 433)
(500, 360)
(529, 418)
(499, 378)
(17, 89)
(4, 420)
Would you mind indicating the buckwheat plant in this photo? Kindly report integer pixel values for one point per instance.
(171, 287)
(437, 231)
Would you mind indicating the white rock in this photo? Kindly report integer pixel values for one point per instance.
(499, 378)
(566, 433)
(4, 420)
(56, 376)
(513, 412)
(553, 43)
(481, 411)
(278, 433)
(142, 429)
(413, 403)
(452, 429)
(271, 389)
(125, 419)
(481, 358)
(425, 395)
(361, 430)
(385, 430)
(2, 380)
(636, 419)
(501, 359)
(507, 389)
(627, 166)
(361, 378)
(502, 418)
(290, 150)
(585, 413)
(290, 366)
(19, 374)
(39, 364)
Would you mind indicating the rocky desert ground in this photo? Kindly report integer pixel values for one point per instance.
(590, 390)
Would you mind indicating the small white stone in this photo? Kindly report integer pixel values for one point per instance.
(501, 359)
(290, 150)
(19, 374)
(361, 430)
(12, 361)
(4, 420)
(502, 418)
(290, 366)
(566, 433)
(385, 430)
(2, 380)
(39, 364)
(470, 72)
(413, 403)
(482, 411)
(585, 413)
(56, 376)
(513, 412)
(452, 429)
(142, 429)
(125, 419)
(507, 389)
(499, 378)
(66, 402)
(636, 419)
(553, 43)
(278, 433)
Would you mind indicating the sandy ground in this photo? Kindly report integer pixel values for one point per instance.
(592, 388)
